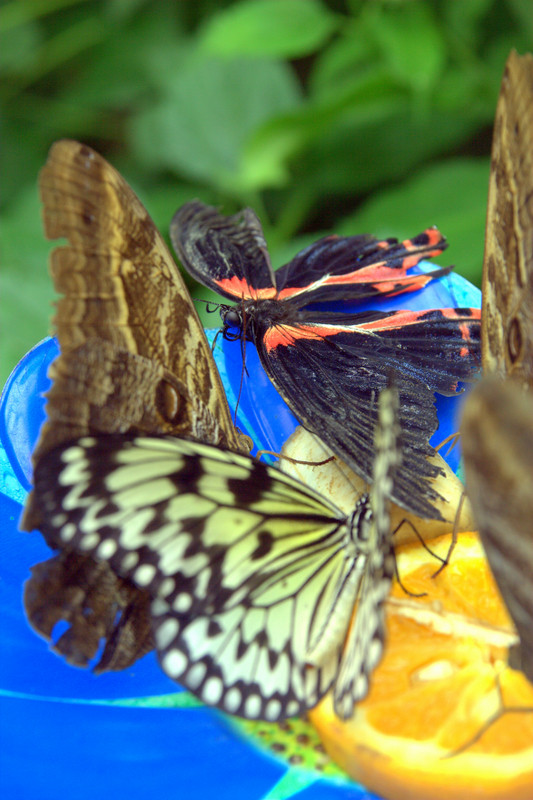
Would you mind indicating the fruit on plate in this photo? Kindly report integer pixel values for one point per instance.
(445, 716)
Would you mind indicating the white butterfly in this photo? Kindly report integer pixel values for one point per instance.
(253, 576)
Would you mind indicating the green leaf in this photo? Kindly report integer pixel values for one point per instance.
(451, 195)
(29, 145)
(132, 63)
(372, 96)
(200, 128)
(278, 28)
(411, 42)
(341, 63)
(464, 20)
(27, 291)
(357, 158)
(18, 53)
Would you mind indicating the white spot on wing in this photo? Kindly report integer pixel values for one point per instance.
(232, 700)
(252, 706)
(68, 532)
(273, 710)
(195, 675)
(182, 603)
(144, 575)
(174, 663)
(166, 633)
(89, 542)
(130, 561)
(212, 690)
(107, 549)
(293, 708)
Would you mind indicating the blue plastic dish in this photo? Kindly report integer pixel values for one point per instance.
(65, 732)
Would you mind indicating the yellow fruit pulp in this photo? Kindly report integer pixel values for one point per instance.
(424, 732)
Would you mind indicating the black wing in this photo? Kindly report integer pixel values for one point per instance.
(227, 254)
(356, 267)
(330, 370)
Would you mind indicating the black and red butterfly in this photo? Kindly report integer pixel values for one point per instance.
(330, 367)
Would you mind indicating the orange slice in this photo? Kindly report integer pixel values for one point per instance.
(424, 732)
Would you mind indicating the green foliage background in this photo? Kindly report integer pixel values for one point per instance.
(323, 115)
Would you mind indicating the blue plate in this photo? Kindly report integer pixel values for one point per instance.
(65, 732)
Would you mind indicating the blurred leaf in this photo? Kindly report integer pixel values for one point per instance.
(473, 91)
(163, 200)
(19, 12)
(357, 157)
(25, 147)
(451, 195)
(339, 64)
(498, 52)
(411, 42)
(200, 129)
(68, 43)
(463, 20)
(123, 9)
(27, 292)
(371, 96)
(137, 59)
(283, 28)
(18, 53)
(521, 9)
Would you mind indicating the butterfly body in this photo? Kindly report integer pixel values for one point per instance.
(252, 577)
(329, 367)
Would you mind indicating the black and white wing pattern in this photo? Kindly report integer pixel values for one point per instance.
(253, 576)
(364, 646)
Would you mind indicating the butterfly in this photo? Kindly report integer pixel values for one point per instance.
(497, 431)
(252, 576)
(329, 366)
(134, 358)
(507, 284)
(497, 423)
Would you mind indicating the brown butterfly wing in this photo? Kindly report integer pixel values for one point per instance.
(125, 314)
(497, 424)
(497, 440)
(507, 308)
(134, 357)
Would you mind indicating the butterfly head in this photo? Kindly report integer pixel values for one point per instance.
(232, 322)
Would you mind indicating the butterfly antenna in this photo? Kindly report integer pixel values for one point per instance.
(291, 460)
(243, 356)
(210, 305)
(503, 709)
(213, 343)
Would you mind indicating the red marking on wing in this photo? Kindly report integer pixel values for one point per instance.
(452, 313)
(387, 280)
(398, 319)
(240, 288)
(285, 335)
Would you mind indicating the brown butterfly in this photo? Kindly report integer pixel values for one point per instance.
(497, 425)
(507, 305)
(134, 358)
